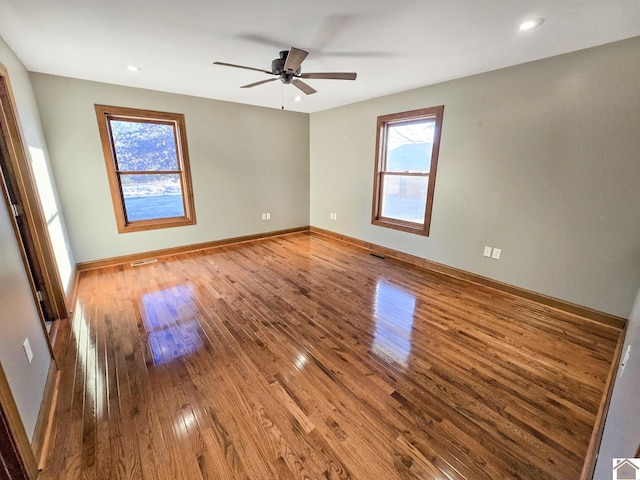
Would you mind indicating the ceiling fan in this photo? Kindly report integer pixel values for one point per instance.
(287, 68)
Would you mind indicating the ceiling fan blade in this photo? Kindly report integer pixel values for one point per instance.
(330, 75)
(255, 84)
(294, 59)
(303, 86)
(243, 67)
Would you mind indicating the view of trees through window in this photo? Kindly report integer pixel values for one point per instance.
(147, 162)
(147, 165)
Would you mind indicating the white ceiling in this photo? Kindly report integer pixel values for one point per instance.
(394, 45)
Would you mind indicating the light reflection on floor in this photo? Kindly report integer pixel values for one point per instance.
(170, 320)
(393, 312)
(92, 368)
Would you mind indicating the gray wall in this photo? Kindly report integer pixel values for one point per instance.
(540, 160)
(245, 160)
(18, 314)
(36, 149)
(18, 321)
(621, 436)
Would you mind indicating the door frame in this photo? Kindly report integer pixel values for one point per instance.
(15, 449)
(30, 207)
(17, 184)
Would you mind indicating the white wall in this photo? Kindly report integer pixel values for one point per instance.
(621, 436)
(540, 160)
(19, 318)
(244, 160)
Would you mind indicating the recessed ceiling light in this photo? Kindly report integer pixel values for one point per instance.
(532, 23)
(297, 98)
(132, 68)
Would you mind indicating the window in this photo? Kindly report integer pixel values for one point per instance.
(148, 167)
(405, 173)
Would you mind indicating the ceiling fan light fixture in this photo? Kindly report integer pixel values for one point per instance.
(297, 98)
(531, 23)
(131, 67)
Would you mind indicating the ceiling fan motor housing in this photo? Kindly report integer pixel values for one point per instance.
(277, 67)
(283, 69)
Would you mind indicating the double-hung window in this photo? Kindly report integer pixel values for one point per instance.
(148, 167)
(407, 149)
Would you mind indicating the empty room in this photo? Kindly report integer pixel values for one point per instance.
(331, 240)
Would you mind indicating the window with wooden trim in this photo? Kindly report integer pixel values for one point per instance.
(148, 167)
(407, 148)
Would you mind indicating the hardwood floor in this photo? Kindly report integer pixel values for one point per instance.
(300, 357)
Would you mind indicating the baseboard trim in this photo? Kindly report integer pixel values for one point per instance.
(53, 332)
(607, 319)
(135, 257)
(612, 321)
(45, 415)
(598, 429)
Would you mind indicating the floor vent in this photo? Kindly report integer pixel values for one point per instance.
(381, 257)
(144, 262)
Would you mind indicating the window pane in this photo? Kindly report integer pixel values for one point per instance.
(147, 161)
(143, 146)
(404, 197)
(148, 197)
(409, 146)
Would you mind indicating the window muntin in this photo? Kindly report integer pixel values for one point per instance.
(405, 170)
(148, 166)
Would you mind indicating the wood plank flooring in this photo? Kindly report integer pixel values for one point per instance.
(299, 357)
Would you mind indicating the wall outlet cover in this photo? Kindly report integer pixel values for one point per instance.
(496, 253)
(27, 350)
(487, 251)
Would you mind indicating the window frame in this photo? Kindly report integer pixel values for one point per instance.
(104, 114)
(384, 122)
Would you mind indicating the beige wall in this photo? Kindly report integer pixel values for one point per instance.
(245, 160)
(18, 314)
(540, 160)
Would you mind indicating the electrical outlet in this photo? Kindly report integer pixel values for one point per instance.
(487, 251)
(496, 253)
(625, 360)
(27, 349)
(264, 216)
(268, 216)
